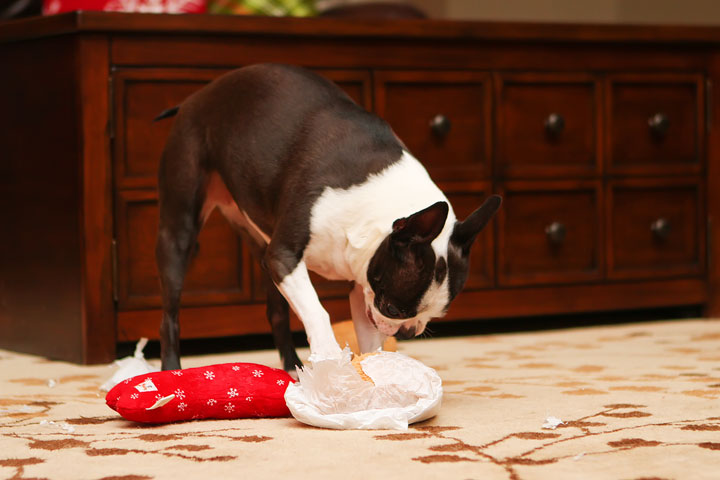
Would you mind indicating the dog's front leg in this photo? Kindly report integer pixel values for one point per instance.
(370, 339)
(294, 283)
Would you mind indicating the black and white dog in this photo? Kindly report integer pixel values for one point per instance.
(319, 184)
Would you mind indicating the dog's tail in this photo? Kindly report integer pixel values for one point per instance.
(170, 112)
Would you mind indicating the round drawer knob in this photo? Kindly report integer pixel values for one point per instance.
(659, 124)
(554, 124)
(440, 125)
(555, 232)
(660, 228)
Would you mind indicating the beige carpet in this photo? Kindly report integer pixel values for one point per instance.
(636, 401)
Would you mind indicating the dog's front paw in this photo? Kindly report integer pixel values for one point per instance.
(330, 353)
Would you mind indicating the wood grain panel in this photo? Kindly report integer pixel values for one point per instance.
(139, 96)
(474, 305)
(656, 124)
(412, 101)
(528, 251)
(548, 125)
(41, 197)
(218, 274)
(98, 310)
(655, 228)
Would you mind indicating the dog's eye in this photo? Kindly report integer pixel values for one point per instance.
(392, 311)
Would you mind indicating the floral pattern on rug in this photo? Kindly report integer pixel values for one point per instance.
(621, 402)
(539, 446)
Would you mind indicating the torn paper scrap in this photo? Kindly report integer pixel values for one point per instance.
(64, 425)
(552, 423)
(129, 367)
(332, 394)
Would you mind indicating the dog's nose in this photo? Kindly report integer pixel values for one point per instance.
(405, 333)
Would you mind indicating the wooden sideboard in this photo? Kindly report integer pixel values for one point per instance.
(603, 140)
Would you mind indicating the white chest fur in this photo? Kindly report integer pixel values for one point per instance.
(347, 225)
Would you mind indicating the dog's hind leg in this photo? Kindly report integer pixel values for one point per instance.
(181, 198)
(278, 314)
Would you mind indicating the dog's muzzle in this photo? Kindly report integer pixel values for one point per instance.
(406, 333)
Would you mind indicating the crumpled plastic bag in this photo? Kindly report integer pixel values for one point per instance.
(332, 394)
(130, 367)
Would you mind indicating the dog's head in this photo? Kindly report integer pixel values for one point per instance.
(412, 279)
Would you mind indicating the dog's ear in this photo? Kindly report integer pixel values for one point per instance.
(465, 232)
(420, 227)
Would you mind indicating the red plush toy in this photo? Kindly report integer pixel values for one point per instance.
(52, 7)
(229, 390)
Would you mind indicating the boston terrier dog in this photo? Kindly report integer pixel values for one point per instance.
(316, 183)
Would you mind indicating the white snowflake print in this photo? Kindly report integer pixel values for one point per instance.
(134, 396)
(248, 399)
(177, 373)
(281, 382)
(127, 381)
(232, 393)
(235, 368)
(158, 396)
(209, 375)
(229, 407)
(211, 402)
(180, 394)
(182, 406)
(258, 373)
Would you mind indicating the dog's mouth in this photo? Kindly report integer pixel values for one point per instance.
(380, 325)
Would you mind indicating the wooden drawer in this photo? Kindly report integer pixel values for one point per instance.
(219, 274)
(656, 123)
(140, 95)
(550, 232)
(655, 228)
(547, 125)
(465, 197)
(443, 118)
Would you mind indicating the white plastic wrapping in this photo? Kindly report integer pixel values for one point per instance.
(129, 367)
(331, 393)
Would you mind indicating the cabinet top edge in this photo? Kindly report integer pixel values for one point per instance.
(193, 24)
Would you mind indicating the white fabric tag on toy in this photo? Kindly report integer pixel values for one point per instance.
(332, 394)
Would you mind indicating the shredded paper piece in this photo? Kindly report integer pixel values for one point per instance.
(129, 367)
(552, 423)
(65, 426)
(331, 393)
